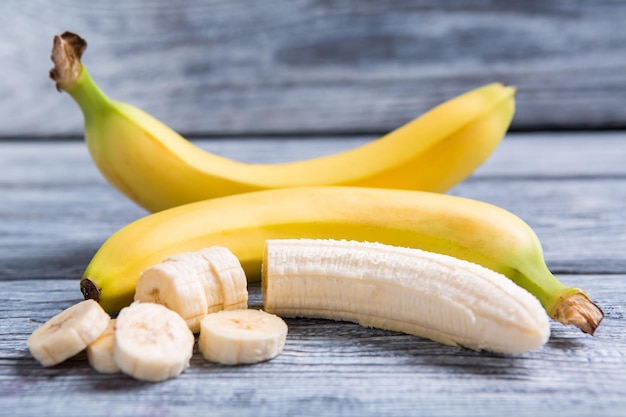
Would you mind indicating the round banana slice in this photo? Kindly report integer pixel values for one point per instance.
(152, 342)
(100, 351)
(234, 337)
(68, 333)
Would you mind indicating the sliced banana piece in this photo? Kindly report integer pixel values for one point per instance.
(100, 351)
(234, 337)
(152, 342)
(408, 290)
(227, 270)
(194, 284)
(68, 333)
(176, 286)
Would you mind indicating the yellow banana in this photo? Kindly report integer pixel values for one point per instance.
(158, 169)
(463, 228)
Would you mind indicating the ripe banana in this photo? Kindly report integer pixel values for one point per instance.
(68, 333)
(466, 229)
(445, 299)
(100, 351)
(194, 284)
(152, 343)
(157, 168)
(241, 336)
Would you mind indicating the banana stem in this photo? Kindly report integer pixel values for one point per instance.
(567, 305)
(577, 309)
(72, 77)
(67, 50)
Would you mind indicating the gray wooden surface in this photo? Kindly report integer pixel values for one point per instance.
(55, 211)
(313, 66)
(289, 79)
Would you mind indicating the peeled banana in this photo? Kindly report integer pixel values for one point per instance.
(445, 299)
(463, 228)
(157, 168)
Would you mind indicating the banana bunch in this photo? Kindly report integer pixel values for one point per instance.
(463, 228)
(455, 250)
(158, 169)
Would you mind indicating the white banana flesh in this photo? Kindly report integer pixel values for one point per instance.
(194, 284)
(152, 342)
(241, 336)
(100, 351)
(68, 333)
(436, 296)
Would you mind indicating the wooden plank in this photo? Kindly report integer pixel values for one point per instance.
(248, 67)
(61, 210)
(580, 223)
(328, 368)
(519, 155)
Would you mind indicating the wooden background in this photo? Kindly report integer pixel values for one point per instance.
(315, 66)
(282, 80)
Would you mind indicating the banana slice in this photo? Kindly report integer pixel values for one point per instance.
(68, 333)
(152, 342)
(194, 284)
(228, 272)
(175, 285)
(235, 337)
(100, 351)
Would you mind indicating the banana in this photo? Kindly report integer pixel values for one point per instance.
(194, 284)
(68, 333)
(241, 336)
(436, 296)
(157, 168)
(100, 351)
(152, 343)
(464, 228)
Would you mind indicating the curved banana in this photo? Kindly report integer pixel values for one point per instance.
(426, 294)
(466, 229)
(158, 169)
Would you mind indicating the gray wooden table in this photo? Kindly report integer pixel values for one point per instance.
(56, 210)
(289, 79)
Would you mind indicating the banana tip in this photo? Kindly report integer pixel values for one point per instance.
(89, 289)
(511, 87)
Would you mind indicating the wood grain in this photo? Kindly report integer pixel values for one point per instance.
(314, 66)
(329, 368)
(55, 211)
